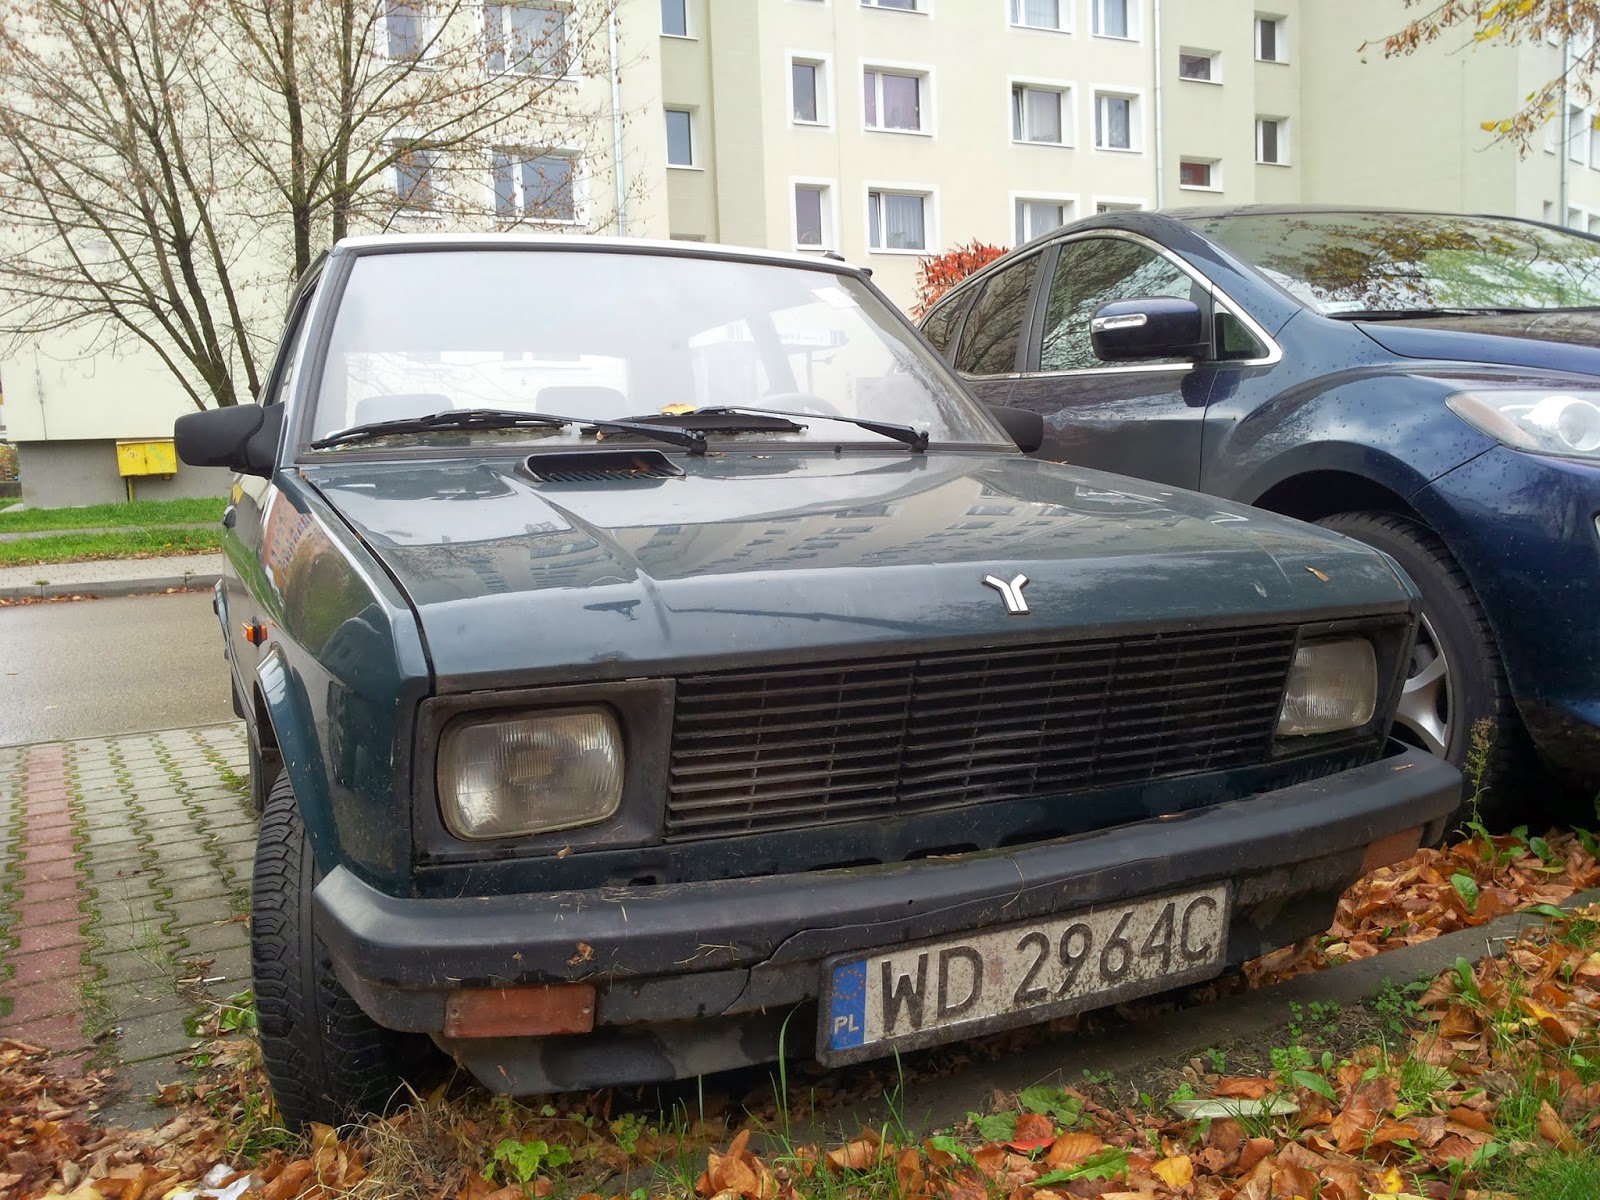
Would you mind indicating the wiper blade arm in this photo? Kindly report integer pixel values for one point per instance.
(503, 418)
(1415, 314)
(917, 439)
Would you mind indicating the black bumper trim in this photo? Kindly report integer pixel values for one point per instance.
(409, 945)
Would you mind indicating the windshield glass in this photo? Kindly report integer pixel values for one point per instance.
(602, 336)
(1392, 262)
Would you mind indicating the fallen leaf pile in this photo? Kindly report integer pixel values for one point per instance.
(1438, 891)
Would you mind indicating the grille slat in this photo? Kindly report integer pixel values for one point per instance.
(794, 747)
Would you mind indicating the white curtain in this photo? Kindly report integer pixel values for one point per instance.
(903, 222)
(1044, 13)
(1043, 121)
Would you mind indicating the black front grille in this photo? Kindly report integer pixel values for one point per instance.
(822, 743)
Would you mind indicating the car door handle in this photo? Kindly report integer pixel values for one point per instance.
(229, 516)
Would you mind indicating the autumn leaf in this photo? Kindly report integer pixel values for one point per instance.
(1177, 1171)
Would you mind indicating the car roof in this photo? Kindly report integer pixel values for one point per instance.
(592, 243)
(1309, 210)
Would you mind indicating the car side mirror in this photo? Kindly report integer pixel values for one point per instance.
(241, 437)
(1026, 428)
(1151, 327)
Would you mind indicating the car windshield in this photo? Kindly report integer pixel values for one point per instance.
(1401, 262)
(608, 336)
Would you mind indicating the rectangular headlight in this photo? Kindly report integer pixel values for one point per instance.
(1333, 685)
(530, 773)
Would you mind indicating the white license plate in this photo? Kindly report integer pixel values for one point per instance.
(937, 991)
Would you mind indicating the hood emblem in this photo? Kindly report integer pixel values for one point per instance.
(1012, 592)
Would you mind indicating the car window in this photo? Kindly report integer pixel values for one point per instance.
(288, 351)
(989, 339)
(939, 325)
(1096, 271)
(1234, 339)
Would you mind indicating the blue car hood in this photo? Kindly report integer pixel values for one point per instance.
(752, 558)
(1556, 341)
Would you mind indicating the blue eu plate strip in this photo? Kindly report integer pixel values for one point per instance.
(847, 1011)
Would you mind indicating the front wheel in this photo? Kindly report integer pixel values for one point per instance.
(327, 1060)
(1455, 681)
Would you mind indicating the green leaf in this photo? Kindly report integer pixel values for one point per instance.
(1467, 888)
(1313, 1082)
(996, 1127)
(950, 1145)
(1542, 848)
(1110, 1163)
(1549, 910)
(1052, 1102)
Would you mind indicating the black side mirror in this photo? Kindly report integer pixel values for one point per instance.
(241, 437)
(1026, 428)
(1152, 327)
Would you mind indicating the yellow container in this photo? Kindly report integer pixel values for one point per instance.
(155, 456)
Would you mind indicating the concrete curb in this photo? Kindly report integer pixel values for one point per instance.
(940, 1103)
(107, 589)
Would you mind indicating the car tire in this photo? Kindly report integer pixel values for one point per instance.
(1455, 679)
(326, 1059)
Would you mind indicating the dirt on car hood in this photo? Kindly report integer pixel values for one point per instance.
(756, 557)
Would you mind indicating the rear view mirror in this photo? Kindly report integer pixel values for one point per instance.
(241, 437)
(1026, 428)
(1152, 327)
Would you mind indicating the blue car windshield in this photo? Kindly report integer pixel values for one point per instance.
(1410, 262)
(598, 335)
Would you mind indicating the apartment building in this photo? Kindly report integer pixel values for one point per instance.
(885, 130)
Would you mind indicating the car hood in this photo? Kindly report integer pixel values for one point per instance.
(752, 558)
(1559, 341)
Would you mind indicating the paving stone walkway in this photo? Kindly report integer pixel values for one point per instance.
(125, 865)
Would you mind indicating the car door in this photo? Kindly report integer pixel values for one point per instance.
(988, 351)
(244, 604)
(1143, 419)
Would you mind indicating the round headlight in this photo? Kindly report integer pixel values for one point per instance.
(1572, 421)
(529, 773)
(1333, 685)
(1566, 422)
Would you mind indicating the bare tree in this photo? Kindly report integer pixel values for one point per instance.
(1574, 24)
(168, 170)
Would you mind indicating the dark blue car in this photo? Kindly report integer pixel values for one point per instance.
(1427, 383)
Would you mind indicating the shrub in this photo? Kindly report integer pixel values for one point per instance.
(937, 275)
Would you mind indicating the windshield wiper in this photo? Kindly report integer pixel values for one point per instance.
(1414, 314)
(917, 439)
(502, 418)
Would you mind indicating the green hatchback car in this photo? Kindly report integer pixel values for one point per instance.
(654, 658)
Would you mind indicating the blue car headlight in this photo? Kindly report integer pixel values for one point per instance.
(1564, 421)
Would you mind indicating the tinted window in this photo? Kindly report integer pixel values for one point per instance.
(1234, 339)
(1395, 262)
(942, 322)
(1093, 272)
(989, 341)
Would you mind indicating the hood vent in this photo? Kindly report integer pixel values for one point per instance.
(602, 466)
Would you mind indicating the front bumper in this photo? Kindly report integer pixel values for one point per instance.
(699, 977)
(1524, 528)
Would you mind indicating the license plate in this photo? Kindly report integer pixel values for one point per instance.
(934, 992)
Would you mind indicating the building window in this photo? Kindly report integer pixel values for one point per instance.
(1111, 18)
(810, 216)
(893, 101)
(897, 220)
(675, 18)
(1037, 14)
(680, 138)
(1577, 143)
(1192, 64)
(532, 186)
(1270, 45)
(1036, 115)
(1113, 122)
(902, 5)
(806, 79)
(416, 183)
(1035, 217)
(1199, 173)
(405, 23)
(526, 39)
(1111, 206)
(1272, 140)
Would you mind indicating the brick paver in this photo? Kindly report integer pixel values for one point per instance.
(126, 861)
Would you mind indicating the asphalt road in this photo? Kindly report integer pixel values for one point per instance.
(90, 668)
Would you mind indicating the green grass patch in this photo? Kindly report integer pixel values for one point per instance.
(115, 516)
(132, 543)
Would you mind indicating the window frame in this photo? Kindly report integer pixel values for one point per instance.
(822, 67)
(1280, 142)
(829, 212)
(924, 77)
(564, 7)
(1279, 42)
(435, 157)
(688, 33)
(919, 7)
(429, 53)
(519, 199)
(1213, 57)
(1213, 176)
(694, 163)
(930, 213)
(1135, 98)
(1119, 204)
(1067, 200)
(1065, 103)
(1043, 260)
(1065, 12)
(1132, 13)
